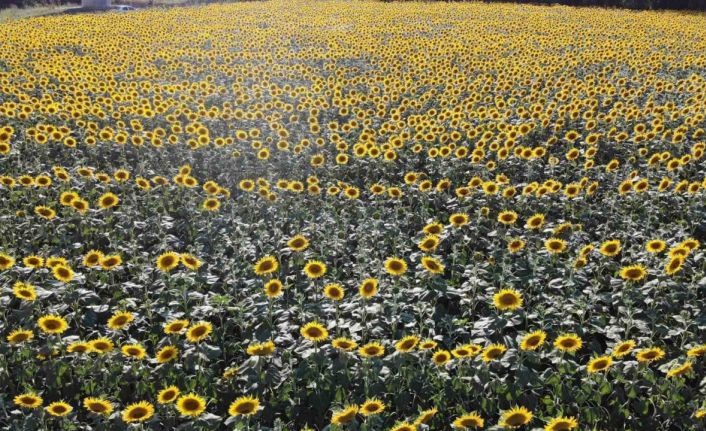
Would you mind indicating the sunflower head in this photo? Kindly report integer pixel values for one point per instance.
(507, 299)
(244, 406)
(191, 405)
(314, 331)
(515, 417)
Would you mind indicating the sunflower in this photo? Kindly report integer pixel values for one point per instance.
(507, 217)
(138, 412)
(561, 423)
(404, 426)
(58, 408)
(466, 351)
(45, 212)
(697, 351)
(429, 243)
(111, 262)
(468, 421)
(601, 363)
(52, 324)
(515, 244)
(441, 357)
(168, 395)
(680, 370)
(244, 406)
(372, 407)
(493, 352)
(533, 340)
(458, 219)
(395, 266)
(407, 344)
(343, 343)
(199, 332)
(266, 265)
(432, 265)
(133, 351)
(315, 269)
(175, 326)
(166, 354)
(28, 400)
(167, 261)
(6, 261)
(700, 414)
(368, 288)
(623, 348)
(428, 345)
(298, 243)
(610, 248)
(515, 417)
(674, 265)
(108, 200)
(507, 299)
(33, 262)
(191, 405)
(98, 406)
(433, 229)
(120, 320)
(535, 222)
(261, 349)
(633, 272)
(655, 246)
(314, 331)
(568, 343)
(211, 204)
(650, 354)
(63, 273)
(190, 261)
(425, 416)
(273, 288)
(334, 291)
(78, 347)
(18, 336)
(101, 345)
(55, 261)
(92, 259)
(555, 245)
(372, 350)
(24, 291)
(344, 416)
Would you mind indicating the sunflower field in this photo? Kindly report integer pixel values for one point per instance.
(353, 216)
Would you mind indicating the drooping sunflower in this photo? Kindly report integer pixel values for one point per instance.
(372, 407)
(680, 370)
(244, 406)
(199, 332)
(515, 417)
(533, 340)
(555, 245)
(28, 400)
(344, 416)
(18, 336)
(493, 352)
(372, 350)
(507, 299)
(404, 426)
(650, 354)
(568, 343)
(98, 406)
(334, 291)
(633, 272)
(266, 265)
(59, 409)
(108, 200)
(441, 357)
(138, 412)
(368, 288)
(166, 354)
(298, 243)
(601, 363)
(167, 261)
(314, 331)
(273, 288)
(261, 349)
(696, 351)
(120, 320)
(63, 273)
(343, 343)
(468, 421)
(407, 344)
(190, 261)
(395, 266)
(191, 405)
(674, 265)
(52, 324)
(168, 395)
(623, 348)
(561, 423)
(24, 291)
(425, 416)
(315, 269)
